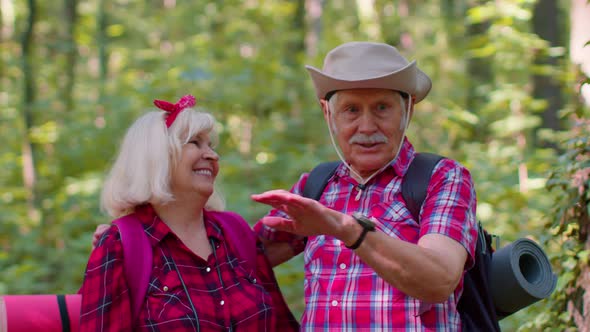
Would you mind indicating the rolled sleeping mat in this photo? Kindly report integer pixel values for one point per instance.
(40, 313)
(520, 276)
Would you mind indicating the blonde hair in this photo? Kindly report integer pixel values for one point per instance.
(141, 172)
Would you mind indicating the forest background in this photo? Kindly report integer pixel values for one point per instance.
(508, 102)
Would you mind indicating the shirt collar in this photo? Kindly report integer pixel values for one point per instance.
(158, 230)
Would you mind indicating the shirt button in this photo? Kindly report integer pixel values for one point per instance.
(208, 269)
(334, 303)
(222, 302)
(165, 288)
(254, 280)
(342, 266)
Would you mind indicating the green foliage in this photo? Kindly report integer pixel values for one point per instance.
(569, 223)
(244, 62)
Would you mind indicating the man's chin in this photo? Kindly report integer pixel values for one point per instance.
(367, 169)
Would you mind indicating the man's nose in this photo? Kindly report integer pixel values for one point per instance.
(367, 123)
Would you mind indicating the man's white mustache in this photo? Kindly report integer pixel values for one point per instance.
(366, 139)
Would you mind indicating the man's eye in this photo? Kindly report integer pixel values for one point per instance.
(382, 107)
(352, 110)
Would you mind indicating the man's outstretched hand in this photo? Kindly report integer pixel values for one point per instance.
(306, 216)
(100, 229)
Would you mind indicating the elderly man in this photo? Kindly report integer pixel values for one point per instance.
(368, 264)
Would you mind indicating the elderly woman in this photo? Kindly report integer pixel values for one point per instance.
(164, 177)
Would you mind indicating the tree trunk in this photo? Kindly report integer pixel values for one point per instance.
(579, 304)
(103, 58)
(70, 54)
(478, 69)
(295, 49)
(314, 10)
(579, 53)
(28, 149)
(7, 26)
(546, 24)
(392, 18)
(2, 33)
(389, 22)
(579, 298)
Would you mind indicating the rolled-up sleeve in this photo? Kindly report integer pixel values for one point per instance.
(450, 206)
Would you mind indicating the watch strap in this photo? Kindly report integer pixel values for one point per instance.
(367, 225)
(359, 240)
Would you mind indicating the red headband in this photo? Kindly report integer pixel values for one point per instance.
(175, 109)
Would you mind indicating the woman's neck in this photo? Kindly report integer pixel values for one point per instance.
(184, 215)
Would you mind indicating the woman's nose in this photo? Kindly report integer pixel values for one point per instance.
(211, 154)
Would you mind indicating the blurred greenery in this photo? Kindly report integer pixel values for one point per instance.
(74, 78)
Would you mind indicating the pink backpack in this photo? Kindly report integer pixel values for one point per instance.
(136, 244)
(56, 312)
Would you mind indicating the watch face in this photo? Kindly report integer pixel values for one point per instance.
(363, 220)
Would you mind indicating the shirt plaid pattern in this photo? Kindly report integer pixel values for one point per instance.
(344, 294)
(245, 300)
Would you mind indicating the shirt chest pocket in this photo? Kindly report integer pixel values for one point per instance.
(394, 219)
(248, 287)
(166, 298)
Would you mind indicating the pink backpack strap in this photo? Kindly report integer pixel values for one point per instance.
(238, 234)
(137, 257)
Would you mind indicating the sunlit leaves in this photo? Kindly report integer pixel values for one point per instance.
(244, 62)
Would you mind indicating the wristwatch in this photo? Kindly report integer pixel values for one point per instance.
(368, 226)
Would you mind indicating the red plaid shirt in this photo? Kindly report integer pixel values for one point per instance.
(342, 293)
(246, 301)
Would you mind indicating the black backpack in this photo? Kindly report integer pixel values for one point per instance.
(476, 306)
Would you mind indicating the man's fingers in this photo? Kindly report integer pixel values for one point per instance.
(270, 200)
(276, 196)
(100, 229)
(270, 193)
(283, 198)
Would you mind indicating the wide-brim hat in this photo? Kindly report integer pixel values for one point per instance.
(362, 65)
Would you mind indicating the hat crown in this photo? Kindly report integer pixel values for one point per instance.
(363, 60)
(368, 65)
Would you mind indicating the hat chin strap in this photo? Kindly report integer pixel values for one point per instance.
(363, 181)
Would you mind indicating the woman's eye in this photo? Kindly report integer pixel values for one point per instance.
(381, 107)
(197, 143)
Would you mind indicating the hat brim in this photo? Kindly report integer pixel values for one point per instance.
(408, 79)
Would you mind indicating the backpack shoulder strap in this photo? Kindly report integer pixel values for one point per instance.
(318, 178)
(137, 257)
(239, 235)
(415, 182)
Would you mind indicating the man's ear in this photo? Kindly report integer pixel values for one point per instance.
(412, 107)
(325, 109)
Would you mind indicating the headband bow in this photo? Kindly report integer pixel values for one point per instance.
(174, 109)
